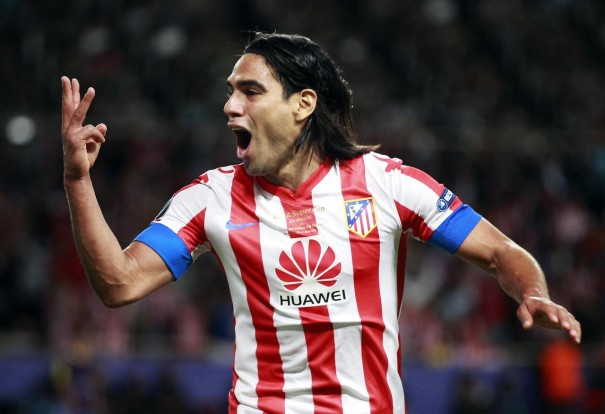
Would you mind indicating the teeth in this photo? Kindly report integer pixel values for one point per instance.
(238, 130)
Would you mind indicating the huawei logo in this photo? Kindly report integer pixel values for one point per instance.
(308, 264)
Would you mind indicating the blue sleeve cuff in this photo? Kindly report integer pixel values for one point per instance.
(454, 230)
(169, 246)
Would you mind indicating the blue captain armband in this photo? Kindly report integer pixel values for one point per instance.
(455, 229)
(169, 246)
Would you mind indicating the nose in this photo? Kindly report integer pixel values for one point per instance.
(233, 106)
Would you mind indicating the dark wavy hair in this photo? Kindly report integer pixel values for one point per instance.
(299, 63)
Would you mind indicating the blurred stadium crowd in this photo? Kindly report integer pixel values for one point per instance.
(501, 100)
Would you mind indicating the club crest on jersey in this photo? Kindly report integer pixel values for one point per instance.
(444, 202)
(361, 215)
(308, 272)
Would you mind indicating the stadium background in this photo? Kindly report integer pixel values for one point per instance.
(502, 100)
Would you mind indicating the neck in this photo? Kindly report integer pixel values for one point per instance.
(297, 171)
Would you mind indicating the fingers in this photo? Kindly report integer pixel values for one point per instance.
(75, 88)
(74, 108)
(102, 128)
(545, 313)
(81, 143)
(82, 108)
(96, 133)
(84, 136)
(66, 102)
(573, 327)
(558, 317)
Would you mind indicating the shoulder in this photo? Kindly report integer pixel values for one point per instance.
(215, 181)
(395, 166)
(219, 178)
(370, 160)
(378, 163)
(389, 169)
(225, 173)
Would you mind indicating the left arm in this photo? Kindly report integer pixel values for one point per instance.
(520, 276)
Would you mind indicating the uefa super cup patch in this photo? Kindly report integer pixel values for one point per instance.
(361, 215)
(444, 202)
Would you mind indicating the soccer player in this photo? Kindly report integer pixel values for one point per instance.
(310, 230)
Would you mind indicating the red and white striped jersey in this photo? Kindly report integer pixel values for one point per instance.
(316, 277)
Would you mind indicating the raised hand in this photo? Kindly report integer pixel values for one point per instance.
(81, 143)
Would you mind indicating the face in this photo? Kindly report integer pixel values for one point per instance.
(265, 124)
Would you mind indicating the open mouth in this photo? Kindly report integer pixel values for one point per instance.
(243, 141)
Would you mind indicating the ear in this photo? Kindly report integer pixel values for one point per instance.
(306, 104)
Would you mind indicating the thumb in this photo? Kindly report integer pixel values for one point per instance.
(525, 316)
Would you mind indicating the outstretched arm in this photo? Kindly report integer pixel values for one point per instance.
(117, 276)
(519, 275)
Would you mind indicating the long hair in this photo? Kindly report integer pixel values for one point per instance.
(299, 63)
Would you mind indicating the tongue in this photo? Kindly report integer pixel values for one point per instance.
(240, 152)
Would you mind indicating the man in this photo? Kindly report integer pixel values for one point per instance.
(309, 229)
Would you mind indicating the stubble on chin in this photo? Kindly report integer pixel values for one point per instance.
(251, 169)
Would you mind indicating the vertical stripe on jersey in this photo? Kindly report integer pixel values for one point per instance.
(246, 243)
(194, 233)
(319, 336)
(317, 326)
(365, 253)
(401, 266)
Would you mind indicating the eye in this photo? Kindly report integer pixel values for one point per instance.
(251, 92)
(229, 93)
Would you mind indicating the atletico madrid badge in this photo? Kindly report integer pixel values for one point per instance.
(361, 215)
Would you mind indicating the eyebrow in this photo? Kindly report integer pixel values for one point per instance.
(244, 83)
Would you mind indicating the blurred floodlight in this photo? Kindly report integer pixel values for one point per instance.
(169, 42)
(20, 130)
(352, 50)
(94, 41)
(440, 11)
